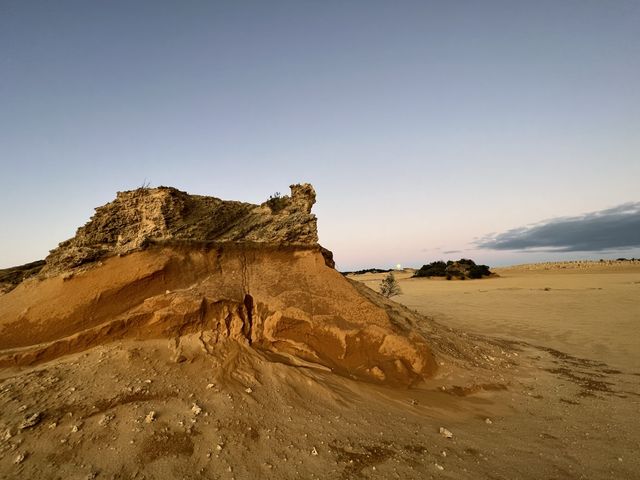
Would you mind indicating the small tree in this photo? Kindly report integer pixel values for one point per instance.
(389, 286)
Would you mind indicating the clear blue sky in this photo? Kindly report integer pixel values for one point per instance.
(423, 125)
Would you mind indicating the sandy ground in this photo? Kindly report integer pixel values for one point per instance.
(584, 399)
(561, 402)
(589, 309)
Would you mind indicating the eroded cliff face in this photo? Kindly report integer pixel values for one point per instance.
(283, 300)
(139, 217)
(200, 272)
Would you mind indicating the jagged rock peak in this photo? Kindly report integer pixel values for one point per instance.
(137, 217)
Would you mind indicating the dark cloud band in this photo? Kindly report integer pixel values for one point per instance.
(611, 229)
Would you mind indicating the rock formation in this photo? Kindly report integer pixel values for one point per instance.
(139, 217)
(199, 271)
(11, 277)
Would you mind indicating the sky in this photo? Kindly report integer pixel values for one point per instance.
(430, 130)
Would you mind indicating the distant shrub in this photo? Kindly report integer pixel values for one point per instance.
(462, 269)
(276, 202)
(479, 271)
(368, 270)
(389, 286)
(466, 261)
(434, 269)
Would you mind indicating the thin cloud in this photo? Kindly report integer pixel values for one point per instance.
(451, 251)
(615, 228)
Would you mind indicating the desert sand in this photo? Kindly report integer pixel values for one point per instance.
(187, 337)
(588, 309)
(578, 324)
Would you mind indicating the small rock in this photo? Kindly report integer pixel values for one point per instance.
(248, 390)
(488, 421)
(151, 416)
(210, 386)
(443, 453)
(219, 447)
(19, 458)
(445, 433)
(75, 428)
(7, 435)
(22, 408)
(104, 421)
(378, 373)
(314, 451)
(30, 421)
(53, 425)
(196, 409)
(439, 467)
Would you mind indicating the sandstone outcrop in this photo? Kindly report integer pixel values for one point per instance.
(139, 217)
(200, 272)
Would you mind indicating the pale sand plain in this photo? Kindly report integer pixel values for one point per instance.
(574, 400)
(587, 309)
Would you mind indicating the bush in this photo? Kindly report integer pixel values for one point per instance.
(434, 269)
(389, 286)
(479, 271)
(276, 202)
(462, 269)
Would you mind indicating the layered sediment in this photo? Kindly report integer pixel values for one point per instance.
(199, 271)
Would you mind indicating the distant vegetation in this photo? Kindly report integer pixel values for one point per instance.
(276, 202)
(389, 286)
(368, 270)
(462, 269)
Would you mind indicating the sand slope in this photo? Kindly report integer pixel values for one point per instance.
(515, 410)
(282, 299)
